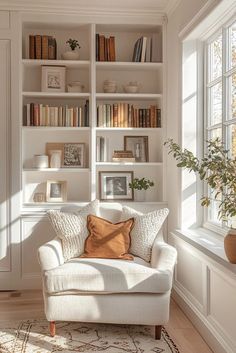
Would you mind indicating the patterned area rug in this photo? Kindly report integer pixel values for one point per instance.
(32, 336)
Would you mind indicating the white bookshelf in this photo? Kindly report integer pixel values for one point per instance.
(83, 183)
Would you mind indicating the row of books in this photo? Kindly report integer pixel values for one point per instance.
(42, 47)
(126, 115)
(148, 49)
(101, 149)
(105, 48)
(45, 115)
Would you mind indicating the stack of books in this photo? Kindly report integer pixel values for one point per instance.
(148, 49)
(126, 115)
(45, 115)
(105, 48)
(101, 149)
(123, 156)
(42, 47)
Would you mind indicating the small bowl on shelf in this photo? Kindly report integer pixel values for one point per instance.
(109, 86)
(131, 87)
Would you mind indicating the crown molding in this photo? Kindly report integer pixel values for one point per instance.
(171, 7)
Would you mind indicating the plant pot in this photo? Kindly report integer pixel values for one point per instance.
(140, 195)
(230, 245)
(70, 55)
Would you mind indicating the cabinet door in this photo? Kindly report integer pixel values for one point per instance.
(5, 248)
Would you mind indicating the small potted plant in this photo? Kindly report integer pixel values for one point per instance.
(140, 186)
(219, 172)
(72, 54)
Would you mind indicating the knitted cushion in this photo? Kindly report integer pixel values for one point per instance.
(71, 228)
(144, 232)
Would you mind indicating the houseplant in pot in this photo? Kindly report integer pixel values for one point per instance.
(72, 54)
(140, 186)
(218, 170)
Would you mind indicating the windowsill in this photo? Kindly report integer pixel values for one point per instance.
(209, 243)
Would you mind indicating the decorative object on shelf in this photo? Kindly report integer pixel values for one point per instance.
(115, 185)
(132, 87)
(75, 86)
(138, 145)
(218, 170)
(105, 48)
(109, 86)
(55, 158)
(58, 147)
(101, 149)
(72, 54)
(74, 155)
(40, 161)
(53, 78)
(56, 191)
(39, 197)
(42, 47)
(140, 186)
(123, 156)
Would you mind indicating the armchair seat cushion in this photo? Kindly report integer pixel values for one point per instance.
(106, 276)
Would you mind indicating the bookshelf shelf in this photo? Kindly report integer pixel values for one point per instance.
(128, 96)
(133, 164)
(122, 65)
(55, 128)
(58, 170)
(68, 63)
(138, 129)
(55, 95)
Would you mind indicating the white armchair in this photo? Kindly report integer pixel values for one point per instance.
(106, 290)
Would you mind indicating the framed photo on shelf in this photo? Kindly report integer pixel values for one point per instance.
(115, 185)
(56, 191)
(53, 78)
(139, 146)
(74, 155)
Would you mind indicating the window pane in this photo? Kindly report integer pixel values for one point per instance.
(216, 104)
(232, 96)
(213, 212)
(216, 133)
(216, 58)
(231, 133)
(232, 45)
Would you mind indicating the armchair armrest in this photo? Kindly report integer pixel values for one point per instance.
(163, 257)
(50, 255)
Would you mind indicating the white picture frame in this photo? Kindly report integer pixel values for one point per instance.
(56, 191)
(53, 78)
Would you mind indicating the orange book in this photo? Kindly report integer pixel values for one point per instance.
(38, 47)
(45, 47)
(112, 48)
(31, 47)
(101, 48)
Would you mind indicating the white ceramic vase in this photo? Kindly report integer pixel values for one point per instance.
(140, 195)
(55, 158)
(70, 55)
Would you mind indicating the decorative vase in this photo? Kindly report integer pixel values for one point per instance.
(70, 55)
(55, 158)
(230, 245)
(140, 195)
(40, 161)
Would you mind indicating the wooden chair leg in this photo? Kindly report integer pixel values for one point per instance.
(52, 328)
(158, 332)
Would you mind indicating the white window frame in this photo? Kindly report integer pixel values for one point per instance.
(226, 73)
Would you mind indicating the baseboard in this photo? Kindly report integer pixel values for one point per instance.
(204, 327)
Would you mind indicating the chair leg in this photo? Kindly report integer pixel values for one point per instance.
(158, 332)
(52, 328)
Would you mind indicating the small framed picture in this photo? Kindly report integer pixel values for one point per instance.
(74, 155)
(139, 146)
(115, 185)
(56, 191)
(53, 78)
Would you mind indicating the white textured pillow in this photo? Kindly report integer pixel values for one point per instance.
(144, 232)
(71, 228)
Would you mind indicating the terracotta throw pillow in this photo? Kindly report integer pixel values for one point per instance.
(108, 240)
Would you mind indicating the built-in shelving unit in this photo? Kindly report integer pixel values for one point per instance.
(83, 183)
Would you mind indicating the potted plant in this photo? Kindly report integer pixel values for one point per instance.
(219, 172)
(72, 54)
(140, 186)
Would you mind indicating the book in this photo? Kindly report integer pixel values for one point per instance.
(135, 50)
(148, 49)
(97, 47)
(158, 112)
(123, 159)
(143, 52)
(112, 48)
(44, 47)
(38, 47)
(31, 46)
(101, 48)
(139, 50)
(52, 48)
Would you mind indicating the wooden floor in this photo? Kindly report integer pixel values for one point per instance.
(29, 304)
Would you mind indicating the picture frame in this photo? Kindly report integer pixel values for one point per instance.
(72, 153)
(139, 146)
(114, 185)
(53, 78)
(56, 191)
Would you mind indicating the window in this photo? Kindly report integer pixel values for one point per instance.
(220, 85)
